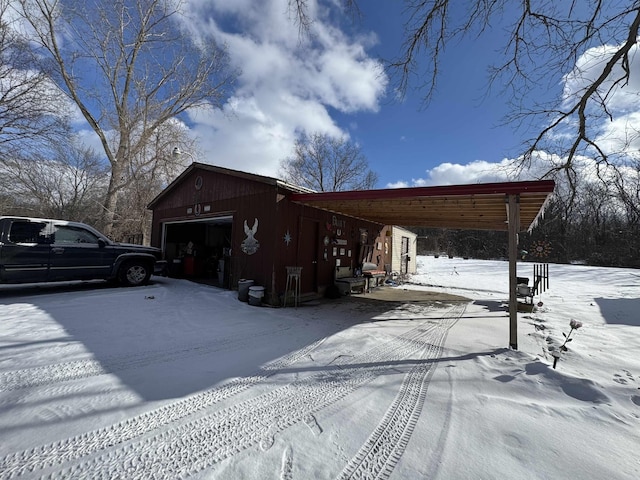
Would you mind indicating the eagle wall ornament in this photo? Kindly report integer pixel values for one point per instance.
(250, 245)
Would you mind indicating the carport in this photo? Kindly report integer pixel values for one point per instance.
(508, 206)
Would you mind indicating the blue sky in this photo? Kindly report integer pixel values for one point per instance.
(461, 124)
(332, 82)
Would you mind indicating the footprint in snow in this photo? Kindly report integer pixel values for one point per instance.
(269, 438)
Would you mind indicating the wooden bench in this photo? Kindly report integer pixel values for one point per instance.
(375, 278)
(347, 283)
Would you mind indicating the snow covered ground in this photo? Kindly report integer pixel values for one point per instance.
(178, 380)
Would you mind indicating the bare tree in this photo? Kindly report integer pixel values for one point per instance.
(627, 189)
(30, 105)
(129, 68)
(68, 183)
(328, 164)
(148, 174)
(585, 46)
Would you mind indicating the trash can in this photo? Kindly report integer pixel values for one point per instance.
(175, 268)
(255, 296)
(243, 289)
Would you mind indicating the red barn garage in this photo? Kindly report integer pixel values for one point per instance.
(225, 226)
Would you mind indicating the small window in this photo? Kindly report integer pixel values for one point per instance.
(30, 232)
(68, 234)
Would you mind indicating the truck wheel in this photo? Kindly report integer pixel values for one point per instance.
(134, 273)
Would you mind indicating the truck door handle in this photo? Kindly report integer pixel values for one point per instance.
(57, 250)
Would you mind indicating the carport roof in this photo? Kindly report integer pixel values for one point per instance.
(480, 206)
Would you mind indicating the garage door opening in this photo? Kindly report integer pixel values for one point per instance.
(199, 249)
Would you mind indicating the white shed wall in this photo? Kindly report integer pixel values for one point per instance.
(397, 233)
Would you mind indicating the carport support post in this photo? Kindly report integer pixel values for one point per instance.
(513, 218)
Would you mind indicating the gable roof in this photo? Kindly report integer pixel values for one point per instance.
(225, 171)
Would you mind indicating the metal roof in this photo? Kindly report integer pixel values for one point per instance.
(481, 206)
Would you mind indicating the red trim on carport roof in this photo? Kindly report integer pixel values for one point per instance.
(511, 188)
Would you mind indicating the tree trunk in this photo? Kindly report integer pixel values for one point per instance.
(111, 200)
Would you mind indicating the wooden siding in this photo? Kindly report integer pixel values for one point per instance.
(343, 235)
(289, 234)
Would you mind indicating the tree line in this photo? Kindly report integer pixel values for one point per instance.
(594, 227)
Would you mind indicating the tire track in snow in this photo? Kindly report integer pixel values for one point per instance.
(381, 452)
(61, 372)
(195, 445)
(189, 448)
(74, 448)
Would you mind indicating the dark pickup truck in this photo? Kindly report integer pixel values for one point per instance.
(44, 250)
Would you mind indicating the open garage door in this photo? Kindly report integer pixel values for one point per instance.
(199, 249)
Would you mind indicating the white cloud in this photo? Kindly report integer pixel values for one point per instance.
(478, 171)
(400, 184)
(621, 135)
(288, 83)
(622, 97)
